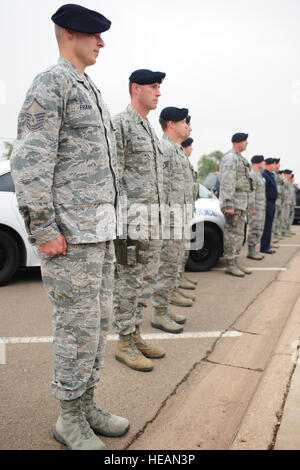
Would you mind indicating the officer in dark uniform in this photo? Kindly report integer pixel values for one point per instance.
(271, 196)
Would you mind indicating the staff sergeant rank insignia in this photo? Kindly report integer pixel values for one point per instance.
(35, 116)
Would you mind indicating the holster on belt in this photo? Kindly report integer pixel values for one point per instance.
(231, 219)
(132, 252)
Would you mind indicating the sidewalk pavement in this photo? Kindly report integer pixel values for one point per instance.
(272, 421)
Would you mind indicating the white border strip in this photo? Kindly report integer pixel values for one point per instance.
(289, 245)
(255, 269)
(150, 336)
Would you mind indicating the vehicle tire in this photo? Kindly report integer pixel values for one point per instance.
(206, 258)
(9, 257)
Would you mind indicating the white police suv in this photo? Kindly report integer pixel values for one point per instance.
(209, 216)
(15, 250)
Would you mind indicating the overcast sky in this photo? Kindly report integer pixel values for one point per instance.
(234, 63)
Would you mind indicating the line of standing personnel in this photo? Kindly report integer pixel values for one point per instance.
(91, 188)
(263, 196)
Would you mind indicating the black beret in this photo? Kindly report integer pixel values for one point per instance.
(81, 19)
(146, 77)
(277, 160)
(188, 119)
(269, 161)
(240, 137)
(187, 142)
(174, 114)
(257, 159)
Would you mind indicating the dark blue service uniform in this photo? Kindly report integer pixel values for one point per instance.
(271, 196)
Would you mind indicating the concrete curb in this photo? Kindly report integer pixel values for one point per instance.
(259, 428)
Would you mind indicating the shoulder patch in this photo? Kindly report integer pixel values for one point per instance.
(35, 116)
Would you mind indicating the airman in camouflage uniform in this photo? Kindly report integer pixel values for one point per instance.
(175, 128)
(235, 186)
(140, 160)
(294, 202)
(276, 228)
(64, 170)
(191, 187)
(257, 208)
(285, 206)
(291, 202)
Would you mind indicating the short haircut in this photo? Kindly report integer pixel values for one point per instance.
(58, 32)
(130, 88)
(163, 123)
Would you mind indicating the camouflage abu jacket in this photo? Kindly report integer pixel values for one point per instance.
(64, 159)
(257, 198)
(235, 181)
(140, 163)
(190, 179)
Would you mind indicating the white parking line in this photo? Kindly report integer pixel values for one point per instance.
(2, 352)
(255, 269)
(151, 336)
(289, 245)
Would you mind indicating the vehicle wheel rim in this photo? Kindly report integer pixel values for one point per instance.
(201, 255)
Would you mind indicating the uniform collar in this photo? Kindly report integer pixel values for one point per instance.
(139, 119)
(168, 139)
(71, 67)
(136, 116)
(234, 151)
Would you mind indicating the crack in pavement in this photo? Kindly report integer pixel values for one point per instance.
(279, 413)
(233, 366)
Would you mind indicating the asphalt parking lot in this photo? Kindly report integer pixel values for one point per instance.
(28, 411)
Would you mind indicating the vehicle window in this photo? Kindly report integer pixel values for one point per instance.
(6, 183)
(204, 192)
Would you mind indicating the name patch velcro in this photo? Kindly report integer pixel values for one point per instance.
(84, 107)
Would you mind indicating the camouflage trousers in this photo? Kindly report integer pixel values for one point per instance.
(288, 215)
(184, 256)
(234, 235)
(256, 223)
(133, 287)
(283, 218)
(276, 229)
(80, 286)
(292, 215)
(166, 279)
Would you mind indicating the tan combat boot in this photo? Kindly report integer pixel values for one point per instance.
(180, 319)
(102, 422)
(185, 284)
(241, 268)
(189, 280)
(232, 269)
(162, 320)
(147, 349)
(274, 243)
(253, 254)
(180, 300)
(73, 430)
(128, 354)
(188, 295)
